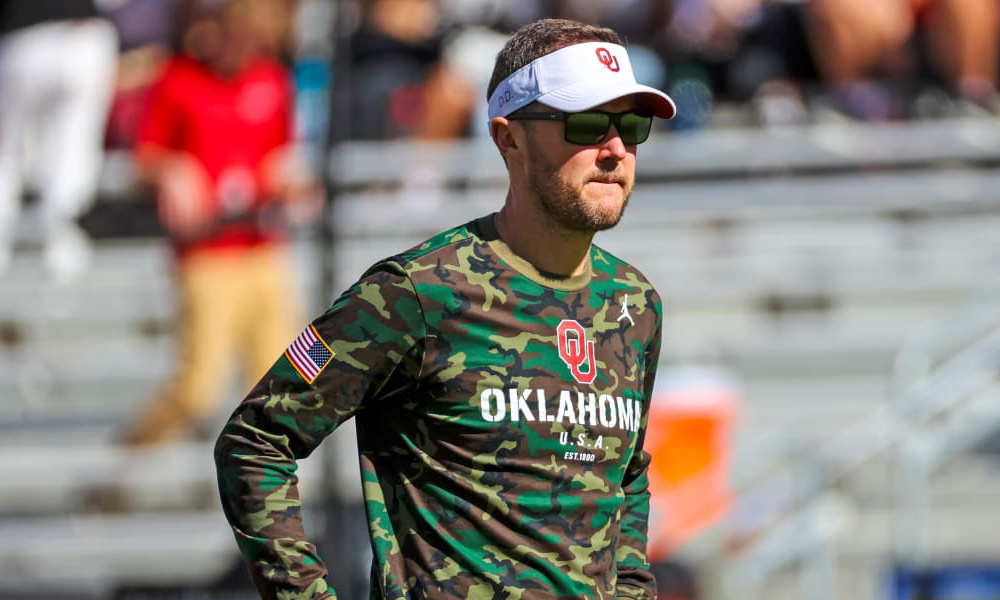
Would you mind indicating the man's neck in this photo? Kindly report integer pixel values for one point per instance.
(532, 235)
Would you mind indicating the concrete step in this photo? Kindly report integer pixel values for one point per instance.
(69, 556)
(706, 154)
(75, 478)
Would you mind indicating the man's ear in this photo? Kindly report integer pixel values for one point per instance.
(503, 136)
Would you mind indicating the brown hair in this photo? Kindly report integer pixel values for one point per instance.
(266, 24)
(539, 38)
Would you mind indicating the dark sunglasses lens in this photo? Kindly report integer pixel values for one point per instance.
(634, 128)
(587, 128)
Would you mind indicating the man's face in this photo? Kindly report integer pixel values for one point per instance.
(582, 188)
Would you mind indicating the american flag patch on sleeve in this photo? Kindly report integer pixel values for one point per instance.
(309, 354)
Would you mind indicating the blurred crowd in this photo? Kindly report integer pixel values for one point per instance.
(76, 76)
(419, 68)
(226, 106)
(419, 65)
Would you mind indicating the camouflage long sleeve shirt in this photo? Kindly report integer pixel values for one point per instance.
(500, 416)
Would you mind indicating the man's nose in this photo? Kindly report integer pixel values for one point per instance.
(612, 146)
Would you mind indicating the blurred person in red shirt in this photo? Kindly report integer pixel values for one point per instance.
(216, 144)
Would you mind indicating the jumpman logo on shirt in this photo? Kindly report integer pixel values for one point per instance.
(624, 314)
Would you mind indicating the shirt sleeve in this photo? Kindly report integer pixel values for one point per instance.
(635, 580)
(367, 347)
(161, 117)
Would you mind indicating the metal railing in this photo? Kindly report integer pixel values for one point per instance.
(945, 399)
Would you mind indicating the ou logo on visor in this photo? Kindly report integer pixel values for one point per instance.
(607, 59)
(575, 350)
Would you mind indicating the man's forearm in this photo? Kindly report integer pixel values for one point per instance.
(258, 486)
(635, 581)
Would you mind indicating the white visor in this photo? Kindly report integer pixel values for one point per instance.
(576, 78)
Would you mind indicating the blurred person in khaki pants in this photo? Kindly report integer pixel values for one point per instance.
(215, 144)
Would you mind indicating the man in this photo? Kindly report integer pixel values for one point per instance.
(500, 405)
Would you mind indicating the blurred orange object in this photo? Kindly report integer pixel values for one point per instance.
(688, 436)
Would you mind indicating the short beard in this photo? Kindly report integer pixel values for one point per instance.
(563, 204)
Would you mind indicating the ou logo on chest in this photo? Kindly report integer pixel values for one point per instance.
(575, 350)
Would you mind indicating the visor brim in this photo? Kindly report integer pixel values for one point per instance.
(584, 96)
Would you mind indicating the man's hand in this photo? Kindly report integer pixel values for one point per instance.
(184, 195)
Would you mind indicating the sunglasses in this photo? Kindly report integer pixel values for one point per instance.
(590, 127)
